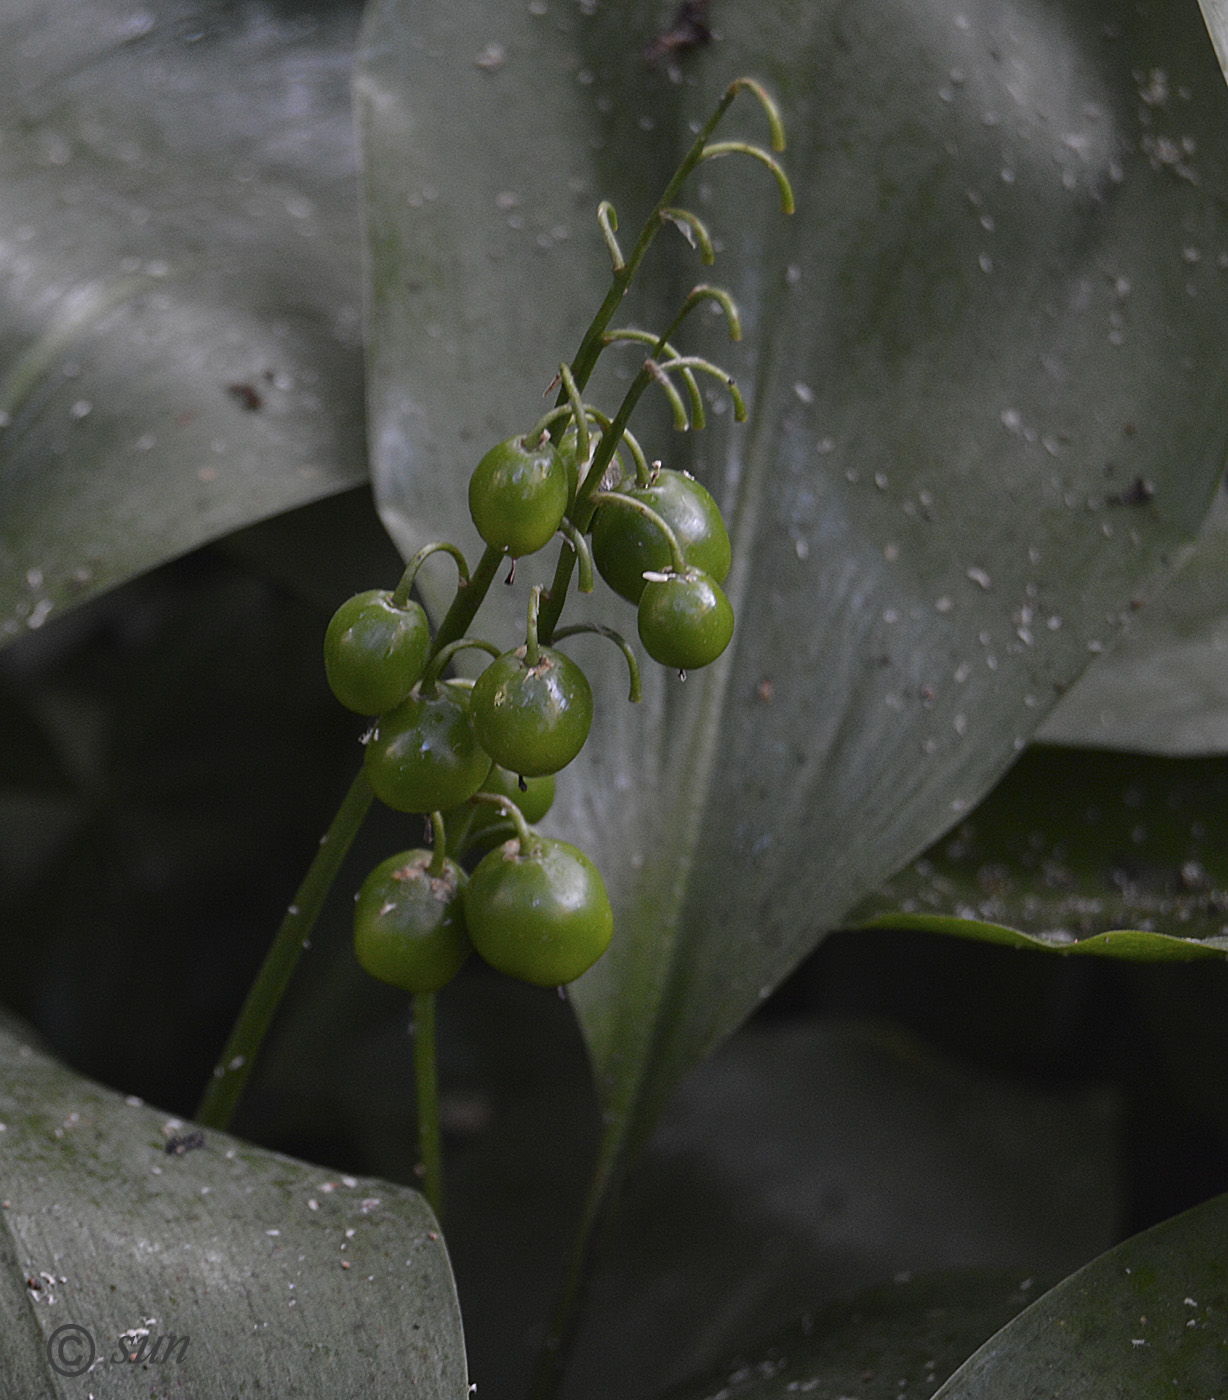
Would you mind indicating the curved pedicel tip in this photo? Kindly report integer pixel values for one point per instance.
(584, 555)
(686, 363)
(775, 125)
(623, 501)
(636, 693)
(681, 421)
(400, 595)
(579, 412)
(706, 292)
(608, 220)
(744, 148)
(694, 231)
(430, 677)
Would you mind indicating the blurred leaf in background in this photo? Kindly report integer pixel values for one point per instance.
(179, 279)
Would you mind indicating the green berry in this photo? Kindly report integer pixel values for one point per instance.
(409, 925)
(541, 915)
(684, 620)
(423, 756)
(374, 651)
(626, 544)
(518, 496)
(532, 719)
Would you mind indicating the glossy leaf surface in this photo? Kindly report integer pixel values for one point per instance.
(281, 1275)
(988, 319)
(1144, 1319)
(1075, 851)
(179, 255)
(1164, 688)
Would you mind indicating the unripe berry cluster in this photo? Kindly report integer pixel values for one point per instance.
(534, 907)
(475, 756)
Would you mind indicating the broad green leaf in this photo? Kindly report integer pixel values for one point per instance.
(1164, 687)
(1144, 1319)
(179, 279)
(1075, 851)
(903, 1334)
(995, 313)
(280, 1275)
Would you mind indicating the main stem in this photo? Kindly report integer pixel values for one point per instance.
(231, 1072)
(469, 598)
(583, 509)
(591, 346)
(426, 1085)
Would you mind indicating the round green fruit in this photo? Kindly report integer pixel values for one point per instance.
(541, 915)
(409, 925)
(423, 756)
(532, 719)
(518, 496)
(374, 651)
(626, 545)
(684, 620)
